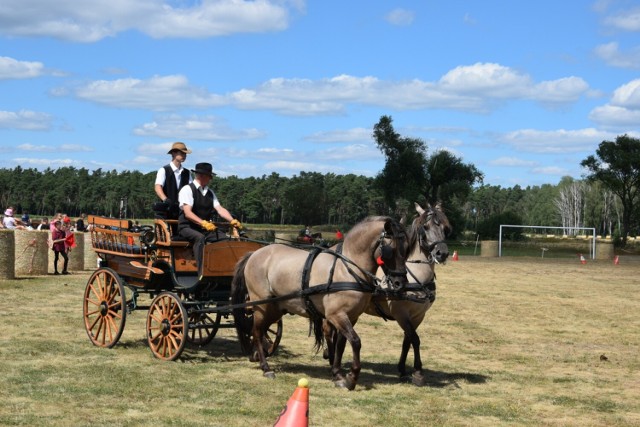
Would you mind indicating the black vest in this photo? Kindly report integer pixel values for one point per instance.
(170, 186)
(202, 206)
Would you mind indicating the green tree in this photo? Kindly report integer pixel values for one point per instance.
(404, 174)
(617, 166)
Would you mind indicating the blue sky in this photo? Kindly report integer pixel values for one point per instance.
(523, 90)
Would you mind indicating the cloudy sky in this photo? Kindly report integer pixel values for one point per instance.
(523, 90)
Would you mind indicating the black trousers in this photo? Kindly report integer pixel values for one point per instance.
(199, 239)
(55, 260)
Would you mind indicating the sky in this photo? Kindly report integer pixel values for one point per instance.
(522, 90)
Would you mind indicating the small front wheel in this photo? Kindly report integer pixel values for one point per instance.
(167, 326)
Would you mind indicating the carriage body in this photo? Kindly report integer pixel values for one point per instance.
(153, 261)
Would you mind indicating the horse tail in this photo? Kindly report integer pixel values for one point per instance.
(239, 296)
(315, 323)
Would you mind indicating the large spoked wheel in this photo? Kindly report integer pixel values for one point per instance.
(167, 326)
(271, 338)
(203, 328)
(104, 308)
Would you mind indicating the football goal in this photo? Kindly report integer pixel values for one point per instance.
(586, 230)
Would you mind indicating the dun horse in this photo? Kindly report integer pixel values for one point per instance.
(427, 248)
(333, 284)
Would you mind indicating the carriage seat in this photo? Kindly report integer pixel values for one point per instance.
(166, 236)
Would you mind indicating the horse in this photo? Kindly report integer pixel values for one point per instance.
(334, 284)
(426, 249)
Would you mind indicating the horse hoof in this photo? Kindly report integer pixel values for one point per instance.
(254, 357)
(269, 374)
(345, 384)
(418, 379)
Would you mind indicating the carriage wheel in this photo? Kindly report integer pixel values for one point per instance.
(167, 326)
(271, 338)
(203, 328)
(104, 308)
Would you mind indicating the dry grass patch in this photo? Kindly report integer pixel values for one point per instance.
(508, 342)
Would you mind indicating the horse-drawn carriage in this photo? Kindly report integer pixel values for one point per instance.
(186, 307)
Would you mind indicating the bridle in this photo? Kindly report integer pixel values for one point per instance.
(428, 249)
(386, 255)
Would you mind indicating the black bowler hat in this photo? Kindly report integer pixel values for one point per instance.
(204, 169)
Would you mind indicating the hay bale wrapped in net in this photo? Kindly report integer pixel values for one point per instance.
(31, 253)
(90, 257)
(76, 255)
(489, 248)
(7, 254)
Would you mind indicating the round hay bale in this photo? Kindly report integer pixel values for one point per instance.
(604, 250)
(489, 248)
(31, 253)
(90, 257)
(7, 254)
(76, 255)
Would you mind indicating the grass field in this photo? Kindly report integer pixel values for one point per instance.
(509, 342)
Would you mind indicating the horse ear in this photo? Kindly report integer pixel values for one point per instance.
(419, 209)
(403, 220)
(439, 206)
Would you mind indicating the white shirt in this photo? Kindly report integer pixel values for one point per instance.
(185, 197)
(161, 176)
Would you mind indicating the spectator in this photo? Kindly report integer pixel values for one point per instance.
(26, 221)
(80, 223)
(44, 224)
(10, 222)
(59, 237)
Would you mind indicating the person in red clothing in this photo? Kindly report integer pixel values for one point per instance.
(58, 236)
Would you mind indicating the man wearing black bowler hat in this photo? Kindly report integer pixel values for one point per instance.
(197, 203)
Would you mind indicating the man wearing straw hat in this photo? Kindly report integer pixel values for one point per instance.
(169, 180)
(197, 203)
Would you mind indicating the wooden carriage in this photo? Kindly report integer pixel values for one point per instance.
(186, 307)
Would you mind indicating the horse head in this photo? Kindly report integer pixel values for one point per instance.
(379, 242)
(430, 229)
(391, 254)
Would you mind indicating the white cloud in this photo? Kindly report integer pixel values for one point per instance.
(512, 162)
(611, 55)
(25, 120)
(70, 148)
(11, 68)
(623, 108)
(477, 88)
(550, 170)
(72, 20)
(400, 17)
(157, 93)
(348, 135)
(205, 128)
(555, 141)
(629, 20)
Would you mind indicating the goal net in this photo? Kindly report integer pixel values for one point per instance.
(544, 240)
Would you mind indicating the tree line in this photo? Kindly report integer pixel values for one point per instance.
(606, 199)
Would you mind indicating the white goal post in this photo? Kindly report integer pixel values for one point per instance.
(593, 234)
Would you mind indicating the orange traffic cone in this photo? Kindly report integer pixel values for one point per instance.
(582, 260)
(616, 260)
(296, 412)
(455, 256)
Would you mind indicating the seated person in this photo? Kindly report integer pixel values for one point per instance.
(10, 222)
(197, 203)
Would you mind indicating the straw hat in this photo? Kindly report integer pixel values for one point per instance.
(180, 147)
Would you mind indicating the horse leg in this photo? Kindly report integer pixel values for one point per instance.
(347, 334)
(329, 333)
(411, 339)
(260, 326)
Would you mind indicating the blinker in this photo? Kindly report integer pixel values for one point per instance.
(386, 253)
